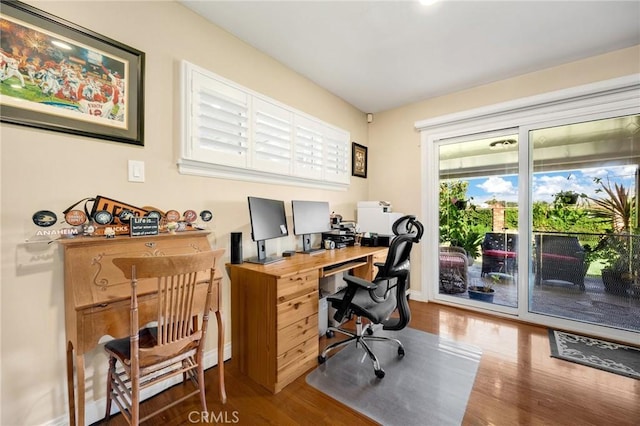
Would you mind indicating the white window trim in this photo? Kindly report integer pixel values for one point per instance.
(620, 96)
(250, 169)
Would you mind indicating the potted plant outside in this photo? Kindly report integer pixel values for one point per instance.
(621, 260)
(484, 292)
(621, 245)
(566, 197)
(469, 238)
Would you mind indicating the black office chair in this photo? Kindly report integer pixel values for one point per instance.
(378, 299)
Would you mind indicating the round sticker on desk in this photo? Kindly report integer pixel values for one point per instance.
(190, 216)
(102, 217)
(44, 218)
(206, 215)
(75, 217)
(173, 216)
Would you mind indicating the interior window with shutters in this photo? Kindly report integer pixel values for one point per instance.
(219, 122)
(336, 158)
(232, 132)
(272, 137)
(309, 148)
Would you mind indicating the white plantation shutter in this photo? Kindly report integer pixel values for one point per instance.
(272, 137)
(337, 162)
(309, 148)
(231, 132)
(219, 122)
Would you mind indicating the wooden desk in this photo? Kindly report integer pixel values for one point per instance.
(97, 296)
(274, 311)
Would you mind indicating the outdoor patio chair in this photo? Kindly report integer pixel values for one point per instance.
(454, 265)
(559, 257)
(499, 253)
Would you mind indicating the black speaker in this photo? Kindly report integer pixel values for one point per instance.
(236, 247)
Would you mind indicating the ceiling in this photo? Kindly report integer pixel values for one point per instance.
(378, 55)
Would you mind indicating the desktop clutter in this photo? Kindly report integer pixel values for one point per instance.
(342, 233)
(313, 218)
(105, 217)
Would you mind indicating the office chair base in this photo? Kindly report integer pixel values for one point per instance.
(361, 339)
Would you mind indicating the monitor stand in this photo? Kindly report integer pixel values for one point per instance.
(306, 246)
(262, 258)
(264, 261)
(313, 251)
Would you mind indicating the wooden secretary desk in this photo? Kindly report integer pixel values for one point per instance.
(274, 311)
(98, 297)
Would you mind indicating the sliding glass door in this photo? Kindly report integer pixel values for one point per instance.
(584, 209)
(478, 219)
(569, 244)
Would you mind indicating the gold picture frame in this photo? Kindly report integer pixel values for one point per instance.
(359, 160)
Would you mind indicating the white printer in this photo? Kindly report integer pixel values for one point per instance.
(376, 217)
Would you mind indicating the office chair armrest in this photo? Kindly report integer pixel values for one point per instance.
(367, 285)
(353, 284)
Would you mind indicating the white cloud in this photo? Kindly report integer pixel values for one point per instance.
(497, 186)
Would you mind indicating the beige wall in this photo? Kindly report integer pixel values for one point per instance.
(47, 170)
(394, 151)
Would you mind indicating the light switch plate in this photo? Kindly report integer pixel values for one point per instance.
(136, 171)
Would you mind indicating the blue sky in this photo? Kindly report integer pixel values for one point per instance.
(545, 185)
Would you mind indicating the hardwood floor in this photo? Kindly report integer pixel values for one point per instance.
(517, 383)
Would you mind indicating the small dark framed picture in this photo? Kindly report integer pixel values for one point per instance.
(358, 160)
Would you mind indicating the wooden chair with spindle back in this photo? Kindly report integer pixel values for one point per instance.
(172, 346)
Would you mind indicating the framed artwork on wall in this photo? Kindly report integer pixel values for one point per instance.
(59, 76)
(358, 160)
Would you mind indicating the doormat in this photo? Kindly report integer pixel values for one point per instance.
(600, 354)
(429, 386)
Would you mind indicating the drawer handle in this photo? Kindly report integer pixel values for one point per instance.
(150, 244)
(296, 305)
(103, 305)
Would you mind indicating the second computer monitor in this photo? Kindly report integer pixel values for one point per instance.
(310, 217)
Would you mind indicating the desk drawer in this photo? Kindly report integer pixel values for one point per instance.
(112, 318)
(297, 333)
(295, 361)
(297, 309)
(296, 285)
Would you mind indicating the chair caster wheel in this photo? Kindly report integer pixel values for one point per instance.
(321, 359)
(330, 334)
(400, 351)
(380, 374)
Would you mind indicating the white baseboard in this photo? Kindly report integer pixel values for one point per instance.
(94, 410)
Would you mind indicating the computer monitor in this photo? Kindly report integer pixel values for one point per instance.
(268, 221)
(310, 217)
